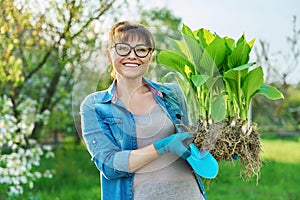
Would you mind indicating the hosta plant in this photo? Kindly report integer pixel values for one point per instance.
(219, 83)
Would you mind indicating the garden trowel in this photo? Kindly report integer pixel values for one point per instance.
(202, 161)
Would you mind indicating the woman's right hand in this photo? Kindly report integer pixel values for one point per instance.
(174, 144)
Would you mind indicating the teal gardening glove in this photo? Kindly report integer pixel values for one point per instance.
(174, 144)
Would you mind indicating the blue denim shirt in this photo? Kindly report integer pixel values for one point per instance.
(109, 131)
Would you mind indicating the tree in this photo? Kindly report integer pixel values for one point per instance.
(45, 46)
(279, 74)
(40, 48)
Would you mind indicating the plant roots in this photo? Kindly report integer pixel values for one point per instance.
(229, 140)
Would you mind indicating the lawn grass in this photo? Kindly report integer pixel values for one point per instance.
(77, 178)
(285, 150)
(279, 178)
(278, 181)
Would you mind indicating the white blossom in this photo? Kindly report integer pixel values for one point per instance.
(16, 169)
(31, 184)
(48, 174)
(38, 174)
(47, 147)
(15, 190)
(50, 154)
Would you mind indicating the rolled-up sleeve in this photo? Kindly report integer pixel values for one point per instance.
(108, 157)
(121, 160)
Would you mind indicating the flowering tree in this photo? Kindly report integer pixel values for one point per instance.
(41, 44)
(20, 156)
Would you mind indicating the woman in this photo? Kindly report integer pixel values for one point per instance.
(130, 128)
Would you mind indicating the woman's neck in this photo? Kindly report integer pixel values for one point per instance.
(127, 87)
(135, 95)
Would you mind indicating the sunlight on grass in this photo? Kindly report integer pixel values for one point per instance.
(278, 180)
(76, 176)
(281, 151)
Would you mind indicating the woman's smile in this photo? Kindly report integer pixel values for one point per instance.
(131, 64)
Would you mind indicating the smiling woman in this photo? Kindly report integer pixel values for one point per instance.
(130, 129)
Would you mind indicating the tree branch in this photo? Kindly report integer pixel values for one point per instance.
(102, 12)
(39, 65)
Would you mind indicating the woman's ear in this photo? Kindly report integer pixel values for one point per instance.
(108, 57)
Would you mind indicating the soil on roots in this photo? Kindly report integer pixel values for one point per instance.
(231, 140)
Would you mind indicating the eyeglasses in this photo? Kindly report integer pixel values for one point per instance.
(124, 49)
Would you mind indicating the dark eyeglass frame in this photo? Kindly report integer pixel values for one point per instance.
(132, 48)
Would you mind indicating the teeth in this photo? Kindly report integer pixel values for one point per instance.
(131, 65)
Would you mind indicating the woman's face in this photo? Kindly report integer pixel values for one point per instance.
(129, 66)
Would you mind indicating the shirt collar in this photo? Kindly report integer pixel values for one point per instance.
(155, 88)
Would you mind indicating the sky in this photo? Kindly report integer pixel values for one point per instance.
(267, 20)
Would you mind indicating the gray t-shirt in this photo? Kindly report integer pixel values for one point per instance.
(167, 177)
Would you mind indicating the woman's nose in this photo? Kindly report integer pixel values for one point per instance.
(132, 54)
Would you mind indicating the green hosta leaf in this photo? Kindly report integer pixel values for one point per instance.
(236, 73)
(175, 61)
(241, 40)
(230, 97)
(218, 50)
(181, 47)
(232, 88)
(270, 92)
(251, 43)
(239, 55)
(199, 80)
(229, 42)
(205, 37)
(213, 83)
(245, 66)
(187, 71)
(195, 50)
(233, 80)
(187, 31)
(207, 63)
(251, 82)
(214, 55)
(218, 110)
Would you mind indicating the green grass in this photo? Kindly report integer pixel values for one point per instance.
(284, 151)
(77, 177)
(279, 178)
(278, 181)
